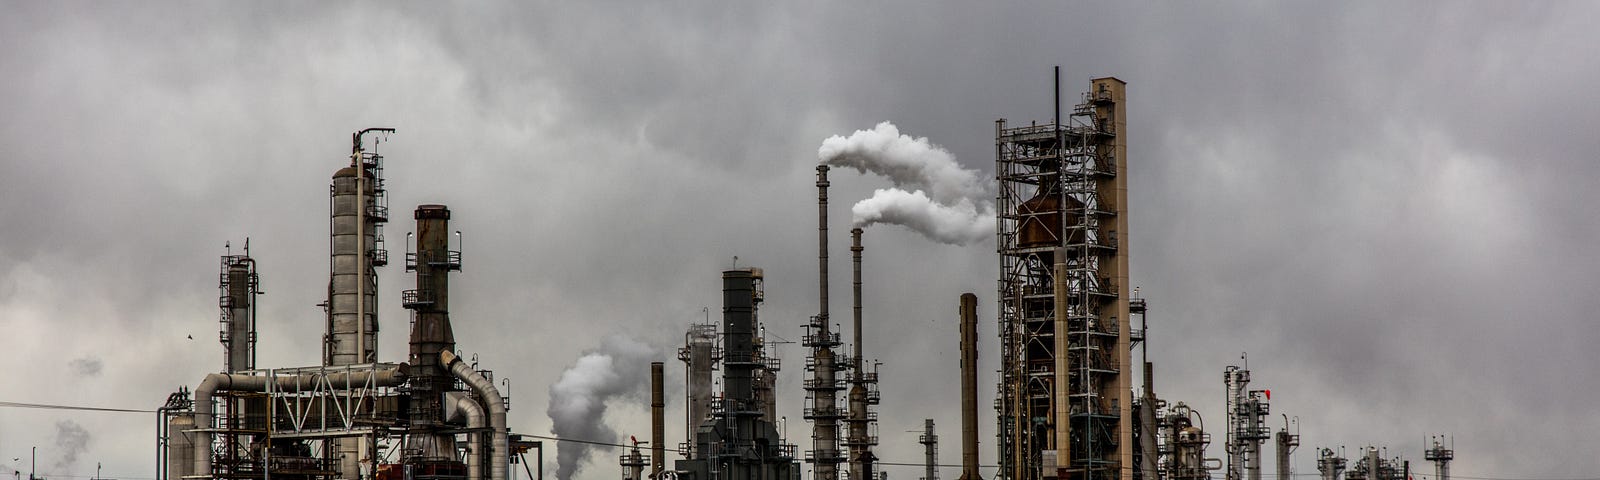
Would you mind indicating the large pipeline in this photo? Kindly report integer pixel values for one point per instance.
(500, 445)
(969, 387)
(218, 382)
(459, 404)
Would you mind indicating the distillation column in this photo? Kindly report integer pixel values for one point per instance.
(823, 386)
(358, 209)
(1441, 456)
(1329, 464)
(431, 333)
(1247, 429)
(1287, 443)
(700, 356)
(239, 287)
(1065, 401)
(930, 450)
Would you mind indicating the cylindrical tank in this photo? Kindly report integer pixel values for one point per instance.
(180, 446)
(353, 287)
(1042, 218)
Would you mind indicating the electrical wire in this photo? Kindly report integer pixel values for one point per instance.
(48, 406)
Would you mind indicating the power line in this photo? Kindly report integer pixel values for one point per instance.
(47, 406)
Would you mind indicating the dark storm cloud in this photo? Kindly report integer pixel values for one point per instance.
(1388, 206)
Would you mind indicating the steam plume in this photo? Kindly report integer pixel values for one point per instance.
(72, 440)
(911, 163)
(958, 224)
(619, 368)
(932, 194)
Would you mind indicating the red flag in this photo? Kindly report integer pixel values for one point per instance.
(635, 440)
(1269, 394)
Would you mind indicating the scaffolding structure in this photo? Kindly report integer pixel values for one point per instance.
(1064, 403)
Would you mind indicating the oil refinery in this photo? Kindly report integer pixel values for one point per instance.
(1072, 402)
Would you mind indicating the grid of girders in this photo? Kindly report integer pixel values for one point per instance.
(1052, 182)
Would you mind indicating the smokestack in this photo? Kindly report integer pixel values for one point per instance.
(658, 408)
(824, 386)
(822, 243)
(856, 435)
(431, 332)
(969, 387)
(855, 260)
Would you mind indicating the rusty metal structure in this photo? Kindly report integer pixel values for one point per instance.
(352, 417)
(1065, 400)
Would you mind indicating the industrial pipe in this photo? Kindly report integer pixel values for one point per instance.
(217, 382)
(500, 446)
(459, 405)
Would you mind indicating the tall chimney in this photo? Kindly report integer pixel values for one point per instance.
(658, 408)
(824, 385)
(431, 332)
(969, 387)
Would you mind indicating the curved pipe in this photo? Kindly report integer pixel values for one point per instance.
(219, 382)
(460, 405)
(500, 445)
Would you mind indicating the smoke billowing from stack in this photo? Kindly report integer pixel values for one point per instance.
(578, 400)
(932, 194)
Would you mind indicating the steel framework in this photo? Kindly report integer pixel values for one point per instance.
(1064, 402)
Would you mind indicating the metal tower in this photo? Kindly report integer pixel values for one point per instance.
(930, 450)
(1247, 428)
(1287, 444)
(1329, 464)
(822, 389)
(1441, 457)
(359, 207)
(738, 442)
(863, 384)
(239, 284)
(1182, 450)
(1065, 401)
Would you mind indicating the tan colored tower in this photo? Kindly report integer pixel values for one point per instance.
(1065, 408)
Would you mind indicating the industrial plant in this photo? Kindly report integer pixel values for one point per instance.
(1072, 401)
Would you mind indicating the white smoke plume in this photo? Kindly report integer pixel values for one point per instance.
(911, 163)
(620, 368)
(71, 440)
(958, 224)
(933, 195)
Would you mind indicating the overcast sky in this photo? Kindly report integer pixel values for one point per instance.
(1391, 207)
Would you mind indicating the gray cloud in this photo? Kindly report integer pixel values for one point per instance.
(86, 366)
(1389, 206)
